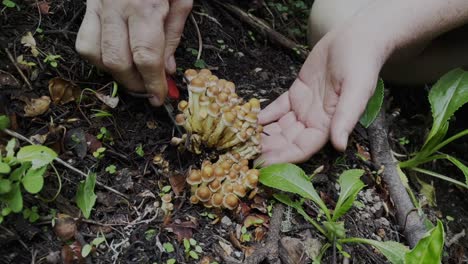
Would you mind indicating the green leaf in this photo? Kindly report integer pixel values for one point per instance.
(171, 261)
(290, 178)
(198, 249)
(37, 154)
(5, 186)
(85, 197)
(192, 241)
(86, 250)
(4, 168)
(373, 106)
(33, 181)
(200, 64)
(393, 251)
(350, 185)
(18, 173)
(168, 247)
(98, 241)
(336, 229)
(186, 245)
(193, 254)
(428, 191)
(9, 3)
(446, 97)
(14, 199)
(10, 148)
(429, 248)
(4, 122)
(460, 165)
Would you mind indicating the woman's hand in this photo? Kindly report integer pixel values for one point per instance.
(134, 40)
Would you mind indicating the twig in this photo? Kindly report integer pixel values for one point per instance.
(270, 249)
(200, 41)
(18, 69)
(381, 155)
(262, 27)
(64, 163)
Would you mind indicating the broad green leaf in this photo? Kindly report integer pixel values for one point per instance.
(350, 185)
(429, 248)
(86, 250)
(4, 122)
(14, 199)
(33, 181)
(10, 148)
(4, 168)
(428, 191)
(168, 247)
(171, 261)
(446, 97)
(98, 241)
(85, 197)
(373, 106)
(460, 165)
(336, 229)
(290, 178)
(393, 251)
(5, 186)
(18, 173)
(38, 155)
(193, 254)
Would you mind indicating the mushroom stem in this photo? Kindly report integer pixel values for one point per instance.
(197, 87)
(227, 120)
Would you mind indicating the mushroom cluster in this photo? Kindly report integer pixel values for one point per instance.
(223, 183)
(216, 117)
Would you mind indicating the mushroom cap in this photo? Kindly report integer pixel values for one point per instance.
(205, 73)
(212, 80)
(251, 117)
(222, 99)
(241, 115)
(236, 167)
(203, 193)
(166, 198)
(194, 199)
(221, 83)
(230, 201)
(217, 199)
(250, 131)
(215, 185)
(190, 74)
(180, 119)
(233, 175)
(229, 118)
(158, 159)
(182, 105)
(256, 139)
(208, 173)
(242, 136)
(244, 163)
(227, 187)
(246, 107)
(197, 85)
(231, 86)
(255, 105)
(194, 178)
(212, 91)
(226, 166)
(244, 169)
(213, 109)
(251, 180)
(204, 100)
(239, 190)
(219, 172)
(259, 129)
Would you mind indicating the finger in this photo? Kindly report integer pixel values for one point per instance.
(147, 42)
(175, 22)
(291, 154)
(273, 128)
(116, 55)
(88, 39)
(273, 142)
(310, 141)
(275, 110)
(352, 103)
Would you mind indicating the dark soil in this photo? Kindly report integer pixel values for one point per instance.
(134, 230)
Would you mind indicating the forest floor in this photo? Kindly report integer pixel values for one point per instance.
(133, 133)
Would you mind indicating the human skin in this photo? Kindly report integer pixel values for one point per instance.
(340, 74)
(134, 40)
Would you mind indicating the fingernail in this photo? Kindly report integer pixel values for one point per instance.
(171, 64)
(155, 101)
(344, 140)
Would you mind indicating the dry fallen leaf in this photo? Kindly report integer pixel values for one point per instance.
(36, 107)
(226, 247)
(6, 79)
(63, 91)
(177, 182)
(256, 220)
(182, 229)
(112, 102)
(44, 7)
(29, 41)
(65, 227)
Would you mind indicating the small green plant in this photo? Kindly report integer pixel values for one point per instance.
(290, 178)
(21, 171)
(104, 135)
(9, 3)
(168, 247)
(99, 153)
(95, 243)
(192, 249)
(139, 150)
(52, 60)
(85, 196)
(112, 169)
(245, 235)
(201, 64)
(209, 215)
(150, 234)
(171, 261)
(100, 113)
(445, 97)
(403, 141)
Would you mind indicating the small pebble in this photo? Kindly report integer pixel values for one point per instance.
(226, 221)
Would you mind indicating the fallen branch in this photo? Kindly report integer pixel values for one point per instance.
(263, 28)
(64, 163)
(408, 217)
(25, 79)
(270, 249)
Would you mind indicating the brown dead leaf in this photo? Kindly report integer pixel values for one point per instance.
(65, 227)
(182, 229)
(92, 142)
(67, 255)
(44, 7)
(362, 152)
(63, 91)
(260, 204)
(112, 102)
(36, 107)
(259, 233)
(256, 220)
(226, 247)
(177, 182)
(6, 79)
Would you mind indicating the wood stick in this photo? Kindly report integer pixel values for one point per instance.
(25, 79)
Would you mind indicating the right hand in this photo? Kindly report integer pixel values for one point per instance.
(134, 40)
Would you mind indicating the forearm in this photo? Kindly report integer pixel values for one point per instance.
(398, 24)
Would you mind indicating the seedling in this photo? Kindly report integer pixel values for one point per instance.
(403, 141)
(52, 60)
(192, 249)
(9, 3)
(290, 178)
(201, 64)
(104, 135)
(445, 97)
(87, 248)
(150, 234)
(245, 235)
(168, 247)
(139, 150)
(85, 196)
(112, 169)
(99, 153)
